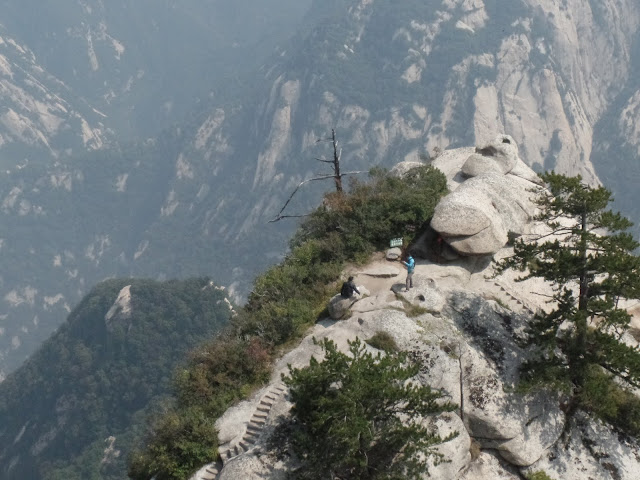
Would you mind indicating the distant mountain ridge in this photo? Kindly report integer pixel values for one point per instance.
(74, 409)
(396, 83)
(86, 88)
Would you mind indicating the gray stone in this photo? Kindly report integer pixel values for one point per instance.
(424, 294)
(485, 242)
(503, 151)
(339, 306)
(394, 253)
(475, 219)
(462, 213)
(456, 450)
(477, 164)
(477, 216)
(523, 171)
(382, 271)
(251, 467)
(486, 467)
(537, 435)
(593, 450)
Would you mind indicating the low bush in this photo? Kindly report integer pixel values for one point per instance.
(383, 341)
(611, 402)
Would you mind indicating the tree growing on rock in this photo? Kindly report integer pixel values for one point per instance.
(588, 258)
(358, 416)
(336, 175)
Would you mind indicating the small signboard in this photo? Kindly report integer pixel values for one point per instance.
(396, 242)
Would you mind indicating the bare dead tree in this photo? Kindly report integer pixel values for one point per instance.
(336, 175)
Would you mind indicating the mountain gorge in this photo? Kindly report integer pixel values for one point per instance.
(86, 88)
(467, 325)
(398, 83)
(195, 199)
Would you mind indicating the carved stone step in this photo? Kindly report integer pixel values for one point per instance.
(253, 429)
(212, 469)
(249, 440)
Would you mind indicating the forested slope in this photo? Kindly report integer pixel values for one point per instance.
(74, 408)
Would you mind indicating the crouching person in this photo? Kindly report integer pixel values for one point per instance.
(348, 288)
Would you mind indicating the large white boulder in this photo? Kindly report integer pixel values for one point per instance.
(500, 156)
(476, 218)
(592, 450)
(492, 196)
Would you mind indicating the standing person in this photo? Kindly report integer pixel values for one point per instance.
(411, 265)
(348, 288)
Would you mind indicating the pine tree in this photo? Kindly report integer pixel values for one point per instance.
(358, 416)
(588, 258)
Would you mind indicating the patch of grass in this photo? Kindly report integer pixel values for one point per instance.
(539, 475)
(501, 303)
(415, 310)
(411, 310)
(383, 341)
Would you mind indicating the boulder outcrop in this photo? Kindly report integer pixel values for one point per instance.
(339, 306)
(492, 196)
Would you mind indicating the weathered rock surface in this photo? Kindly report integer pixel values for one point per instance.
(499, 156)
(486, 467)
(467, 347)
(393, 253)
(477, 216)
(339, 306)
(382, 271)
(593, 450)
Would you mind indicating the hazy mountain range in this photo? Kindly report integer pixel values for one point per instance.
(158, 138)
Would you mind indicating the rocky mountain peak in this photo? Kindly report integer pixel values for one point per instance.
(467, 342)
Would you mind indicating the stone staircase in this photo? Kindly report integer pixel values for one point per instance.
(514, 302)
(252, 432)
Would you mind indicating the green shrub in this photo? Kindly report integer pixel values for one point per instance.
(612, 403)
(374, 212)
(180, 443)
(354, 416)
(383, 341)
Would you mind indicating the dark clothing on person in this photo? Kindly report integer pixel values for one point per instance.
(348, 288)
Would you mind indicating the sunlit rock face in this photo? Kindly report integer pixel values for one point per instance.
(468, 344)
(492, 197)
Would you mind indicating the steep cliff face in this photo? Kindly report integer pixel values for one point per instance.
(79, 80)
(398, 83)
(41, 118)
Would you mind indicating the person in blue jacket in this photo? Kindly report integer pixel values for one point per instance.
(411, 265)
